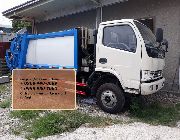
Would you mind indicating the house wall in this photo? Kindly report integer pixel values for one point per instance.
(166, 14)
(86, 19)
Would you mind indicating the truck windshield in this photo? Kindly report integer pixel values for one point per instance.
(150, 42)
(146, 33)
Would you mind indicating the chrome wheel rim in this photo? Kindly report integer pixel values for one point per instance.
(108, 99)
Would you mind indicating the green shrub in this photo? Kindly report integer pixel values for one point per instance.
(155, 113)
(3, 88)
(5, 103)
(56, 123)
(25, 114)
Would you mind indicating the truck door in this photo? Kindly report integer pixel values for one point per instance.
(119, 50)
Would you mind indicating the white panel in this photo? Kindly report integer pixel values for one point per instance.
(51, 51)
(31, 52)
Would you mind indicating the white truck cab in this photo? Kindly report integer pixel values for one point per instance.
(130, 51)
(122, 51)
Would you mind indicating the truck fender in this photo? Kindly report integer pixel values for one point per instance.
(113, 72)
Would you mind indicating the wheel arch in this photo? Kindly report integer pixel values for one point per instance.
(101, 76)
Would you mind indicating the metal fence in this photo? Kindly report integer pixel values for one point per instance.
(4, 70)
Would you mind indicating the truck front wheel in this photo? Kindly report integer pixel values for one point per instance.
(110, 98)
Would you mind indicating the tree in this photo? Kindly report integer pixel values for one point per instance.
(19, 24)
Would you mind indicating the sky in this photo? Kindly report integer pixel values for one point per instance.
(5, 5)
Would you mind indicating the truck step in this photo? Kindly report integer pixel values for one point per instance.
(81, 92)
(81, 84)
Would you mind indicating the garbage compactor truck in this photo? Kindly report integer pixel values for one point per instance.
(122, 56)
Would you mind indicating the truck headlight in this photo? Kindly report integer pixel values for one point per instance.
(147, 75)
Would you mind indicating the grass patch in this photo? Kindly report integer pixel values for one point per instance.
(5, 104)
(56, 123)
(64, 121)
(155, 113)
(16, 132)
(25, 114)
(178, 106)
(3, 88)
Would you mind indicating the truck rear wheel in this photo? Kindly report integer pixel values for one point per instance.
(110, 98)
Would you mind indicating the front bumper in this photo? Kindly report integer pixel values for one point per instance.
(152, 87)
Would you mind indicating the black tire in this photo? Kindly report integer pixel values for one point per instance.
(117, 92)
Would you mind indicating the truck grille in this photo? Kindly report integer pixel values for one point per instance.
(156, 74)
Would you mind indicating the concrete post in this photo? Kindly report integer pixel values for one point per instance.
(98, 16)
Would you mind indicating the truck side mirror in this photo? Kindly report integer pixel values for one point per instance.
(159, 35)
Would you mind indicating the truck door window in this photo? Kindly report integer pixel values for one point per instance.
(120, 37)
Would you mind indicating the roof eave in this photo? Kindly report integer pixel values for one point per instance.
(15, 13)
(11, 12)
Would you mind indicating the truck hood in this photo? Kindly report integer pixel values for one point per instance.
(153, 64)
